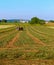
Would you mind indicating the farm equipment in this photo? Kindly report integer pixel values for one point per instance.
(20, 28)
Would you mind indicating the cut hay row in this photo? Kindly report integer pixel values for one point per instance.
(6, 34)
(6, 30)
(44, 29)
(27, 47)
(51, 27)
(36, 39)
(6, 38)
(24, 40)
(26, 62)
(11, 43)
(12, 54)
(43, 37)
(40, 31)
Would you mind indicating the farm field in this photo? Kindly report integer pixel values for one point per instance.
(6, 26)
(32, 46)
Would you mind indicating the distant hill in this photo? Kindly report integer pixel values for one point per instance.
(12, 20)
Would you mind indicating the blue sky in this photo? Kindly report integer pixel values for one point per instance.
(26, 9)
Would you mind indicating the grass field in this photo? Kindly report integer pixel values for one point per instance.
(32, 46)
(6, 26)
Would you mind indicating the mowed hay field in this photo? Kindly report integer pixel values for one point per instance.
(50, 24)
(6, 26)
(32, 46)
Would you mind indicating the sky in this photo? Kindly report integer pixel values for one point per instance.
(26, 9)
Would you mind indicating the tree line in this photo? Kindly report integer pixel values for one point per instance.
(3, 21)
(36, 20)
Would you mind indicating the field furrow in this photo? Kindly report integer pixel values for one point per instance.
(47, 39)
(36, 39)
(11, 43)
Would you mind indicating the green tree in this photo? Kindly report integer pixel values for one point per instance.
(29, 21)
(4, 21)
(42, 22)
(0, 20)
(34, 20)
